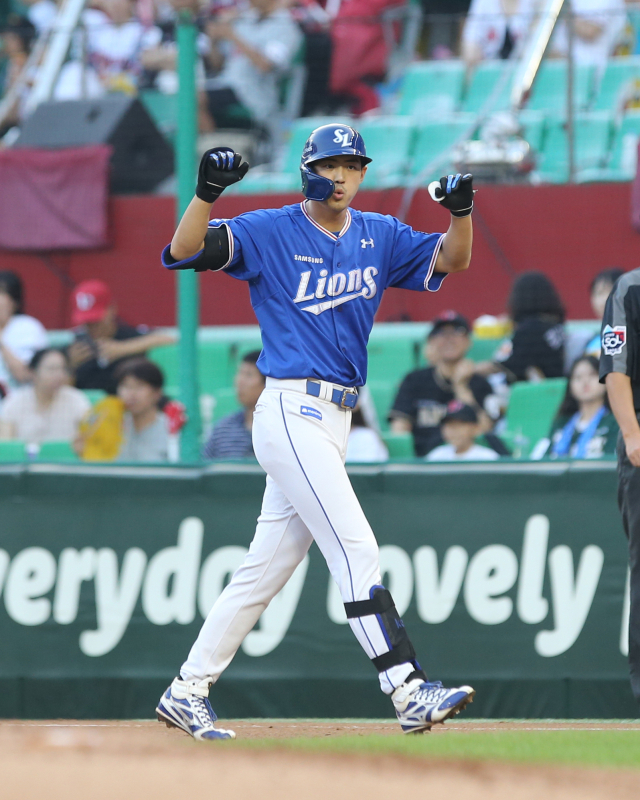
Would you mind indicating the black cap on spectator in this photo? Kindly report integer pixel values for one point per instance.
(449, 318)
(459, 412)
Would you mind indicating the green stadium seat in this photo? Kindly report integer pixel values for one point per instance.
(167, 359)
(431, 87)
(383, 393)
(434, 139)
(533, 128)
(549, 91)
(226, 403)
(624, 153)
(483, 349)
(391, 358)
(484, 80)
(94, 395)
(388, 141)
(619, 73)
(399, 445)
(12, 451)
(532, 408)
(57, 451)
(163, 109)
(592, 138)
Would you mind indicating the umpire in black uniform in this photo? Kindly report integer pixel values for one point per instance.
(620, 370)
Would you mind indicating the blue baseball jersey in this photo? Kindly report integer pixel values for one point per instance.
(316, 293)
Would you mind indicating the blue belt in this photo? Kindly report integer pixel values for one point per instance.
(344, 398)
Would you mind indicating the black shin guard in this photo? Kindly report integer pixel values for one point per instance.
(401, 650)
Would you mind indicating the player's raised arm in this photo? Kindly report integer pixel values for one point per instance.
(455, 193)
(219, 168)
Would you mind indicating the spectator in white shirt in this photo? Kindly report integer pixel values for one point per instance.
(41, 13)
(597, 26)
(364, 443)
(494, 28)
(47, 410)
(459, 429)
(21, 336)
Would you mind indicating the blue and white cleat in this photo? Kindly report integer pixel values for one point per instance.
(186, 705)
(420, 704)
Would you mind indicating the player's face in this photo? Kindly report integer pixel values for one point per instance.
(347, 173)
(459, 434)
(138, 396)
(450, 344)
(599, 297)
(585, 386)
(249, 384)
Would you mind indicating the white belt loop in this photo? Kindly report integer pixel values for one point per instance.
(326, 391)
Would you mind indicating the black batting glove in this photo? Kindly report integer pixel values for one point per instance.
(219, 168)
(455, 193)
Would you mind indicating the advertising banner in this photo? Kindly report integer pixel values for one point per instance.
(512, 578)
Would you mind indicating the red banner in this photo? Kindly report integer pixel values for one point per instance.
(54, 199)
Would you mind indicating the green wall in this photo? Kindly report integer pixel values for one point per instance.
(510, 577)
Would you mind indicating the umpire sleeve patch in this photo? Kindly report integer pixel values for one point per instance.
(614, 339)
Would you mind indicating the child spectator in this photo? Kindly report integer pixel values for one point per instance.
(494, 28)
(584, 426)
(21, 336)
(47, 410)
(601, 287)
(424, 394)
(231, 437)
(145, 429)
(459, 428)
(536, 349)
(101, 341)
(364, 443)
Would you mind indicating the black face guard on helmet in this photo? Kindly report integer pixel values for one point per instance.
(326, 141)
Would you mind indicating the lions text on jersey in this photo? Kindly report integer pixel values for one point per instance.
(315, 293)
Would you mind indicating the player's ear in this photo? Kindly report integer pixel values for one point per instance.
(363, 172)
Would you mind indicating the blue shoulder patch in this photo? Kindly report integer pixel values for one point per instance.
(307, 411)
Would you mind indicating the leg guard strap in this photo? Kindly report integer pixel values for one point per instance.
(381, 605)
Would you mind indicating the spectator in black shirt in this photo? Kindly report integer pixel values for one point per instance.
(424, 394)
(536, 349)
(101, 341)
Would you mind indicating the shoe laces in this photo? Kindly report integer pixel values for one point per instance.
(201, 707)
(429, 692)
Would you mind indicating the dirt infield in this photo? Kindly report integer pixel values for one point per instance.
(68, 760)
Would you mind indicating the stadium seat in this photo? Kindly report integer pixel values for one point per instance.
(57, 451)
(434, 139)
(549, 91)
(388, 141)
(533, 128)
(167, 359)
(431, 87)
(163, 109)
(392, 357)
(383, 394)
(592, 138)
(619, 74)
(94, 395)
(623, 161)
(399, 445)
(483, 349)
(532, 408)
(484, 80)
(12, 451)
(226, 403)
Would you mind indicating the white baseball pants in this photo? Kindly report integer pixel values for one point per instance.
(301, 443)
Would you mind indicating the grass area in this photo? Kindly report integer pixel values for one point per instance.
(614, 748)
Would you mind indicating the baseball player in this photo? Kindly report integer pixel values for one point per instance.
(316, 272)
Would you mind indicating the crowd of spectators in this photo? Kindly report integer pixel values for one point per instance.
(106, 399)
(247, 49)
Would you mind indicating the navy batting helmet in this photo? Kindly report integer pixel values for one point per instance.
(328, 140)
